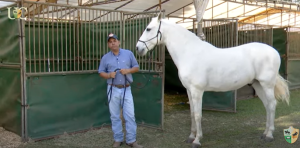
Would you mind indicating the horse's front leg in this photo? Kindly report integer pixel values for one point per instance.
(197, 103)
(192, 136)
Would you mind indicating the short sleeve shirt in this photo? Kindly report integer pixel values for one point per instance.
(124, 60)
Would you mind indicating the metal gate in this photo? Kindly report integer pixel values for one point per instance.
(149, 82)
(62, 47)
(293, 57)
(221, 33)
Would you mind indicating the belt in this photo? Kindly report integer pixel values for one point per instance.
(121, 86)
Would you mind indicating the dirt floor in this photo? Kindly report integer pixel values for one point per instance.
(220, 129)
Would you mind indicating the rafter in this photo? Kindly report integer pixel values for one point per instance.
(91, 3)
(114, 9)
(259, 16)
(38, 9)
(205, 10)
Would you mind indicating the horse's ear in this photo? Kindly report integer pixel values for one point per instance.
(159, 16)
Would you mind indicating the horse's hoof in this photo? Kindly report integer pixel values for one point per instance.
(190, 140)
(196, 145)
(269, 139)
(263, 137)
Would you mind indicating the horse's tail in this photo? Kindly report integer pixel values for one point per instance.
(281, 90)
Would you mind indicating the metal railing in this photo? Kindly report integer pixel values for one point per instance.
(72, 39)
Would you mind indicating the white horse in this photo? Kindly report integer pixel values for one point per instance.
(203, 67)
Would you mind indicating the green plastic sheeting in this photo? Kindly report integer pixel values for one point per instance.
(9, 37)
(10, 100)
(10, 81)
(148, 99)
(279, 43)
(222, 101)
(293, 73)
(58, 104)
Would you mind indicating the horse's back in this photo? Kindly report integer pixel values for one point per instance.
(231, 68)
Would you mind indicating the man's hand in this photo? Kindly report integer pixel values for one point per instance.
(112, 74)
(125, 71)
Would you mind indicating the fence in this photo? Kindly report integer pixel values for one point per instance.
(60, 50)
(293, 57)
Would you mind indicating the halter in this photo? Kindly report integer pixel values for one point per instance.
(158, 32)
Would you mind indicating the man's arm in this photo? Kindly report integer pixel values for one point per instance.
(105, 75)
(128, 71)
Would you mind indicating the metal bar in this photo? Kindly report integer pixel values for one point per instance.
(140, 13)
(268, 6)
(179, 9)
(156, 5)
(85, 38)
(11, 66)
(229, 10)
(89, 43)
(61, 73)
(70, 40)
(102, 2)
(70, 6)
(93, 55)
(56, 10)
(107, 32)
(53, 54)
(100, 37)
(66, 42)
(21, 27)
(81, 40)
(75, 43)
(78, 39)
(48, 42)
(29, 43)
(39, 44)
(57, 42)
(61, 43)
(44, 42)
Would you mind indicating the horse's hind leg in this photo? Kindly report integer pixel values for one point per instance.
(266, 93)
(192, 136)
(262, 96)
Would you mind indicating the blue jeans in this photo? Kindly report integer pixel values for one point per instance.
(128, 114)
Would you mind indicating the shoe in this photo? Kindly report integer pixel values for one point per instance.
(117, 144)
(134, 144)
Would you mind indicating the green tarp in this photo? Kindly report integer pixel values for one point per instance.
(10, 82)
(10, 100)
(58, 104)
(279, 43)
(293, 73)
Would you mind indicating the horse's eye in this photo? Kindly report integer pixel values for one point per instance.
(148, 29)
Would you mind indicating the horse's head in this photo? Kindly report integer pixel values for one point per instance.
(150, 37)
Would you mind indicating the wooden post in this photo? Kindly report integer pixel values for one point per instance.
(159, 4)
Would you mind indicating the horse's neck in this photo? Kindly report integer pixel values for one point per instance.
(176, 39)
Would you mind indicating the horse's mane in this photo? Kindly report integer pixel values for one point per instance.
(184, 34)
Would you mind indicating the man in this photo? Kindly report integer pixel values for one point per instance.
(124, 60)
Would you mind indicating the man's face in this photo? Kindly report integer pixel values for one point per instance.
(113, 44)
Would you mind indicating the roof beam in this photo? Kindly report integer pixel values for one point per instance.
(38, 9)
(250, 11)
(114, 9)
(91, 3)
(265, 5)
(259, 16)
(205, 10)
(179, 9)
(228, 11)
(156, 5)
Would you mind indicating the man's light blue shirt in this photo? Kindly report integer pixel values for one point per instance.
(124, 60)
